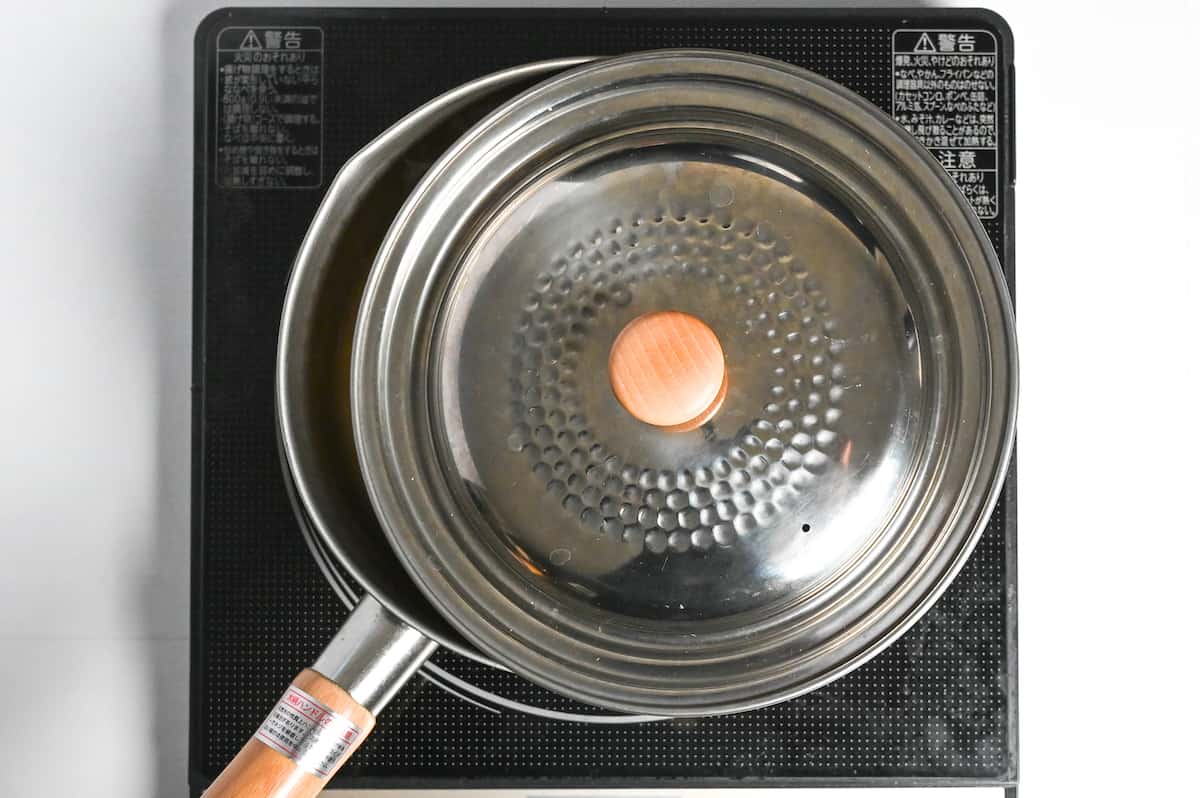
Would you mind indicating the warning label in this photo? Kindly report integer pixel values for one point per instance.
(944, 91)
(270, 107)
(309, 733)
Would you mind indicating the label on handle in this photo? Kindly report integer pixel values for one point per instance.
(309, 733)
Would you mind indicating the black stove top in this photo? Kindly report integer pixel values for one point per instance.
(938, 707)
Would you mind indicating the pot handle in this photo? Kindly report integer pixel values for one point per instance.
(328, 710)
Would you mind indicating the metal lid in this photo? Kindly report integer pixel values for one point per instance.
(868, 386)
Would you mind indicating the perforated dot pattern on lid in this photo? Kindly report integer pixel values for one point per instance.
(781, 308)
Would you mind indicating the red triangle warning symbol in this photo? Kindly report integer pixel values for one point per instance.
(924, 44)
(250, 41)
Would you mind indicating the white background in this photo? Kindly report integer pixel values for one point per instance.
(95, 335)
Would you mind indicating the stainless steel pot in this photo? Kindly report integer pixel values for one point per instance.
(839, 477)
(375, 652)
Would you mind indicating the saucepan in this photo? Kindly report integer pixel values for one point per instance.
(681, 384)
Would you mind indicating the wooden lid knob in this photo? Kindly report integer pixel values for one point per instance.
(668, 369)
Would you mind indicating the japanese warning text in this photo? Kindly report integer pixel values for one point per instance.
(944, 92)
(269, 107)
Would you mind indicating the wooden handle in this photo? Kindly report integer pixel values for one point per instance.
(311, 732)
(668, 369)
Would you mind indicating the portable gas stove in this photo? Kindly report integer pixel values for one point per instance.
(938, 707)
